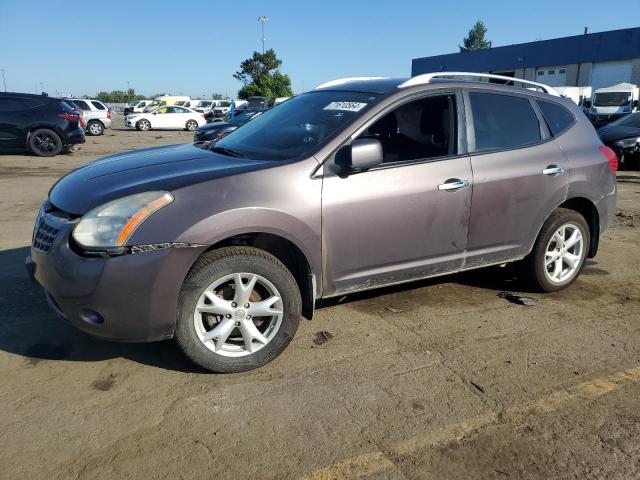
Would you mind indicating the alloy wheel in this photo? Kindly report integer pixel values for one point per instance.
(95, 129)
(564, 254)
(192, 125)
(238, 314)
(45, 142)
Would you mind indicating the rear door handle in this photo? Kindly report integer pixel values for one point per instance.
(553, 170)
(453, 184)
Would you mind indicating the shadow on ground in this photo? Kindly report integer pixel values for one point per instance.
(28, 327)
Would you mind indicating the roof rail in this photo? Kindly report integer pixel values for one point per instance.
(428, 77)
(341, 81)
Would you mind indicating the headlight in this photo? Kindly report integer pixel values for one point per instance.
(110, 225)
(627, 142)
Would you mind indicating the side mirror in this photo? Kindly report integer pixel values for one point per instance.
(362, 154)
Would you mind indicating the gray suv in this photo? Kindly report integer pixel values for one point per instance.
(357, 184)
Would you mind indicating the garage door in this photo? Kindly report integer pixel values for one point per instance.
(552, 76)
(607, 74)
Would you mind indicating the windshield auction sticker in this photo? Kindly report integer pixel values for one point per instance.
(346, 106)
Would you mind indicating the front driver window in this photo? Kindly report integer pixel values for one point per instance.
(421, 129)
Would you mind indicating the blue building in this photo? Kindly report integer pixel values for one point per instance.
(595, 59)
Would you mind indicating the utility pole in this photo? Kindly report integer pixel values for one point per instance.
(4, 80)
(262, 21)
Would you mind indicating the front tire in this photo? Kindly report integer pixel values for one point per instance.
(45, 143)
(239, 308)
(143, 125)
(559, 252)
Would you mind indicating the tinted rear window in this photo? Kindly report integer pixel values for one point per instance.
(503, 121)
(557, 117)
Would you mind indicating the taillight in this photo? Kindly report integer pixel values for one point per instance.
(82, 122)
(69, 117)
(109, 114)
(611, 157)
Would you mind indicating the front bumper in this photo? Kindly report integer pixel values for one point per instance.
(602, 120)
(130, 297)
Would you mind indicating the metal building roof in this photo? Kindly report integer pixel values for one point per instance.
(593, 47)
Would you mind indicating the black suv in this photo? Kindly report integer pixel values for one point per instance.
(44, 125)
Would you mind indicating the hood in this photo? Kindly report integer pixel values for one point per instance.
(212, 126)
(609, 134)
(160, 168)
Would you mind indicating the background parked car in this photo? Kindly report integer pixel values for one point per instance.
(44, 125)
(216, 130)
(136, 107)
(219, 111)
(204, 106)
(623, 136)
(172, 117)
(95, 113)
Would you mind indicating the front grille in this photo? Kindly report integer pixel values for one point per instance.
(44, 233)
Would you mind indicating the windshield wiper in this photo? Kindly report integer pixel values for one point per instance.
(226, 151)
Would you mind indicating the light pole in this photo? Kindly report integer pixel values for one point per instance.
(4, 80)
(262, 21)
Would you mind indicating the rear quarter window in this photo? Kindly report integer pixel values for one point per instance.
(503, 121)
(98, 105)
(558, 118)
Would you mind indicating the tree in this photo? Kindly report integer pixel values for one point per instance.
(217, 96)
(261, 77)
(476, 39)
(117, 96)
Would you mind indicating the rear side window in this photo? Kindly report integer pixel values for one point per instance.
(82, 105)
(503, 121)
(11, 104)
(558, 118)
(98, 105)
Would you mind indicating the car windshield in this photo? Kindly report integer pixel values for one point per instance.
(632, 120)
(297, 127)
(611, 99)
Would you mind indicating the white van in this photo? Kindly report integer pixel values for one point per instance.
(610, 103)
(167, 100)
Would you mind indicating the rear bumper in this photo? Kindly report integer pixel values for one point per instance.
(131, 297)
(74, 137)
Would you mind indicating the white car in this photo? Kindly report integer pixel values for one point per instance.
(172, 117)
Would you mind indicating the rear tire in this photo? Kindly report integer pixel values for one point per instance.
(95, 128)
(191, 125)
(45, 143)
(262, 319)
(560, 251)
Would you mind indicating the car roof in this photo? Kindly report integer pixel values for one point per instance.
(28, 95)
(368, 85)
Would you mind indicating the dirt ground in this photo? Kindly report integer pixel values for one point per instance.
(438, 379)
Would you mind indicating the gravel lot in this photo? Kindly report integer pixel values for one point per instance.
(438, 379)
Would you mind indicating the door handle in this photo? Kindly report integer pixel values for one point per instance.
(553, 170)
(453, 184)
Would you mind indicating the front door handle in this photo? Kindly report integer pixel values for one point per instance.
(553, 170)
(453, 184)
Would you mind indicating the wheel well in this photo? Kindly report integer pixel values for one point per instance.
(95, 120)
(48, 127)
(285, 251)
(588, 210)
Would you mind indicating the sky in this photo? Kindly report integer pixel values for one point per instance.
(194, 47)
